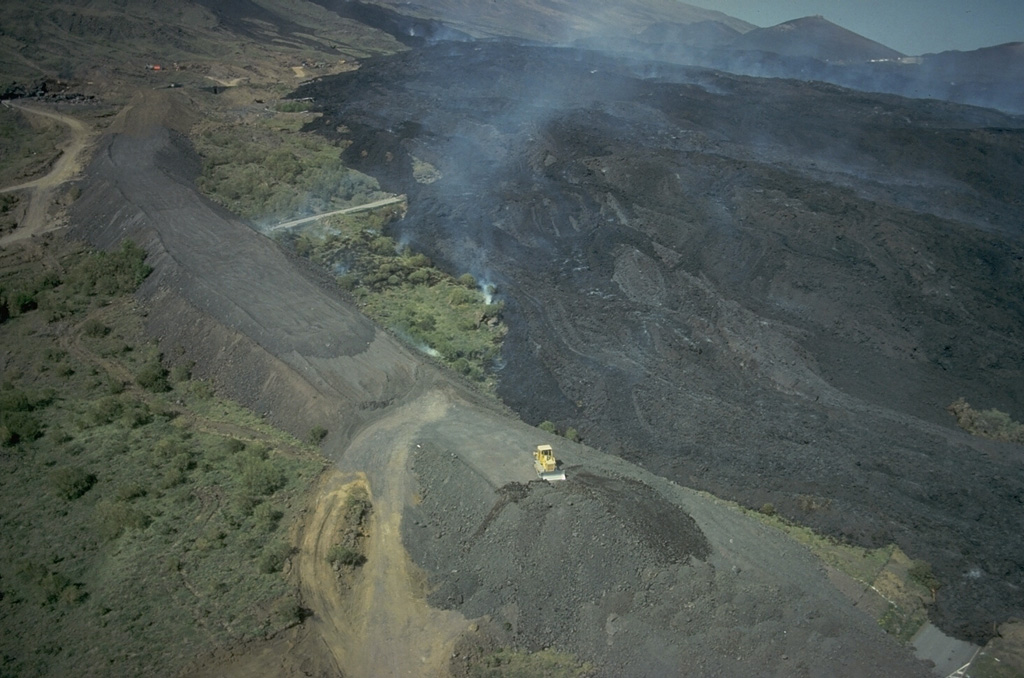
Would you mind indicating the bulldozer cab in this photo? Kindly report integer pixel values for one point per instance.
(546, 465)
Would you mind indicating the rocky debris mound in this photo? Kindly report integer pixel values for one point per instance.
(43, 90)
(614, 571)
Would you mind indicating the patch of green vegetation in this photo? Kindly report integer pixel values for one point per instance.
(447, 318)
(293, 106)
(506, 663)
(268, 170)
(992, 424)
(316, 435)
(1003, 656)
(344, 555)
(140, 526)
(570, 433)
(349, 551)
(85, 281)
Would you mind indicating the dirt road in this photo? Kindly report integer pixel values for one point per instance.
(395, 631)
(42, 189)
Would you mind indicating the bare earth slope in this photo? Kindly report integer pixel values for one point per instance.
(736, 596)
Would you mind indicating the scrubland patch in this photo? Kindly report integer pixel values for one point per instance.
(145, 520)
(992, 423)
(263, 167)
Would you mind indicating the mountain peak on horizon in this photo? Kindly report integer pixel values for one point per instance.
(818, 38)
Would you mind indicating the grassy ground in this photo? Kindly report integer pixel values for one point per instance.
(1003, 657)
(144, 519)
(299, 174)
(507, 663)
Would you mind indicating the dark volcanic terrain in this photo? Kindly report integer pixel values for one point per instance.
(769, 289)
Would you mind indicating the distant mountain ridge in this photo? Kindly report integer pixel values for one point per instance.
(701, 34)
(555, 20)
(817, 38)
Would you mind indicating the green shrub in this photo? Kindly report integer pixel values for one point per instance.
(105, 410)
(23, 301)
(108, 273)
(316, 435)
(16, 427)
(201, 389)
(419, 277)
(71, 482)
(233, 445)
(293, 106)
(992, 424)
(266, 516)
(50, 587)
(357, 507)
(114, 518)
(572, 434)
(153, 377)
(548, 426)
(467, 280)
(136, 414)
(128, 491)
(921, 572)
(383, 245)
(461, 297)
(180, 373)
(94, 328)
(287, 611)
(274, 557)
(172, 477)
(508, 663)
(345, 556)
(15, 400)
(259, 477)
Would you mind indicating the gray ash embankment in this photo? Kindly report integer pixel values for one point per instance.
(764, 288)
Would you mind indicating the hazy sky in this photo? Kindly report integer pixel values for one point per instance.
(909, 26)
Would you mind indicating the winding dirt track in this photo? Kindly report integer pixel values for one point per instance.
(42, 189)
(396, 632)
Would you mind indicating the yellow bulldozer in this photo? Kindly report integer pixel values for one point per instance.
(546, 465)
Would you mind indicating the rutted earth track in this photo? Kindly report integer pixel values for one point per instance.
(272, 336)
(396, 632)
(42, 189)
